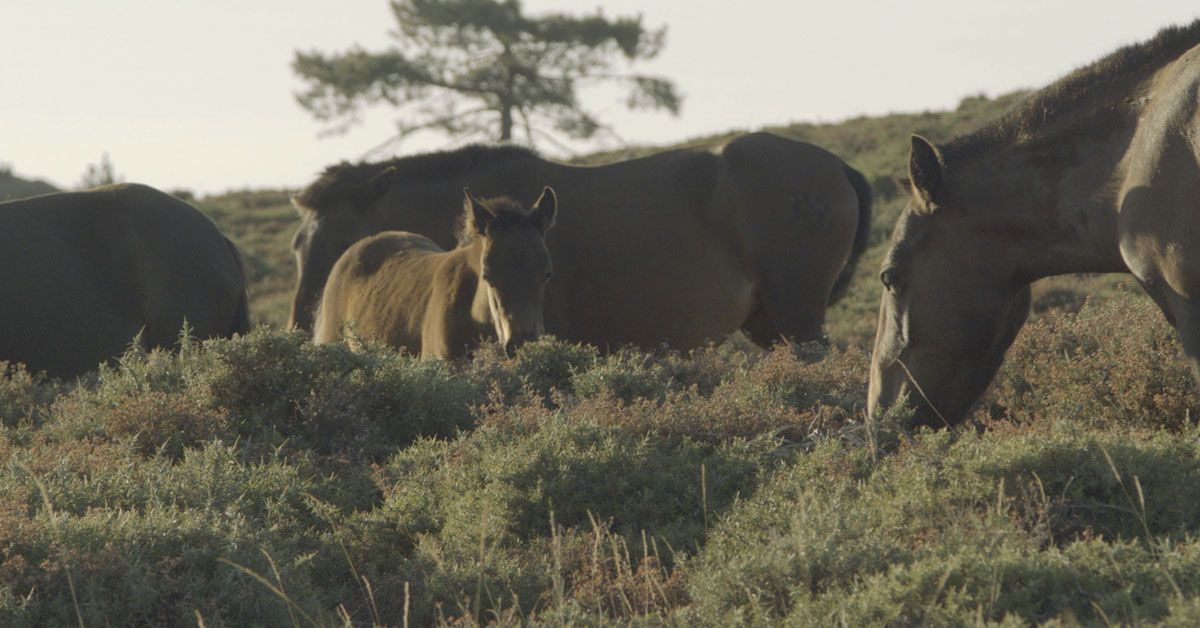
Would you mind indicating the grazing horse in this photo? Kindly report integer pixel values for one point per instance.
(85, 273)
(682, 247)
(402, 289)
(1096, 173)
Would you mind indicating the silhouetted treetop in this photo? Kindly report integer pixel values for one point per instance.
(484, 67)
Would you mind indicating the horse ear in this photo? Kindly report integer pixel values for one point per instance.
(925, 168)
(380, 183)
(300, 207)
(477, 211)
(546, 207)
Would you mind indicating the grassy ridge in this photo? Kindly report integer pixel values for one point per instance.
(13, 186)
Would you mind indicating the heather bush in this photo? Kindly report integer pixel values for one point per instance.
(499, 490)
(1029, 526)
(547, 363)
(145, 543)
(1116, 363)
(165, 424)
(625, 375)
(23, 396)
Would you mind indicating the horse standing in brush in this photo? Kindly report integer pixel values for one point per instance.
(1097, 173)
(402, 289)
(85, 273)
(682, 247)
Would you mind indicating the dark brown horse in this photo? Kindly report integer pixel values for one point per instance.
(84, 273)
(1096, 173)
(681, 247)
(401, 289)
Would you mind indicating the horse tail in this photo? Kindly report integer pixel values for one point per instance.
(241, 314)
(861, 235)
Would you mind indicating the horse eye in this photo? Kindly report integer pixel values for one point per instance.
(549, 274)
(890, 280)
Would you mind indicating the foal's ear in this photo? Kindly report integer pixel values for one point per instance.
(925, 169)
(380, 183)
(546, 207)
(477, 211)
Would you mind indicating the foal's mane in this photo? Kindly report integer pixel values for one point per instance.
(1102, 87)
(364, 182)
(509, 213)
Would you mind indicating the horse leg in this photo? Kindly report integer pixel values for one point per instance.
(793, 306)
(760, 328)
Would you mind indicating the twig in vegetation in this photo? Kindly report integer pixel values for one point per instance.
(407, 601)
(276, 590)
(1139, 513)
(363, 585)
(559, 584)
(941, 587)
(66, 557)
(279, 581)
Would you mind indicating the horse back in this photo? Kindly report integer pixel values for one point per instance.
(787, 193)
(379, 290)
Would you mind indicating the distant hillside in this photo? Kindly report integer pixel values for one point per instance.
(13, 186)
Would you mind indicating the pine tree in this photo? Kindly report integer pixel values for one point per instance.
(99, 174)
(483, 67)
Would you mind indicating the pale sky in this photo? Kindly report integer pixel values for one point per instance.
(199, 94)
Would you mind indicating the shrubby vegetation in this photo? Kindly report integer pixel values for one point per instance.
(266, 480)
(13, 186)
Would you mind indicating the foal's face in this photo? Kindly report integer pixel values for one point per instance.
(515, 267)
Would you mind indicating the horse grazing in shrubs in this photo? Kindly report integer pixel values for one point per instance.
(85, 273)
(402, 289)
(1096, 173)
(682, 247)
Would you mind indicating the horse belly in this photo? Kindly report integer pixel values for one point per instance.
(57, 317)
(683, 296)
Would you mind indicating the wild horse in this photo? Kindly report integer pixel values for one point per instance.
(681, 247)
(1099, 172)
(401, 289)
(84, 274)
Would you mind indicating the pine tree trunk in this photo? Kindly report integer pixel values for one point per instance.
(506, 123)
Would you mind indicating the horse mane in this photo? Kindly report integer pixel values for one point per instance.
(509, 213)
(364, 182)
(1083, 89)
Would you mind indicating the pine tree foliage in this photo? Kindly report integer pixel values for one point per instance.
(485, 68)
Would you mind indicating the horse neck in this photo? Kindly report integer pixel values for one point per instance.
(1056, 196)
(433, 207)
(399, 209)
(469, 257)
